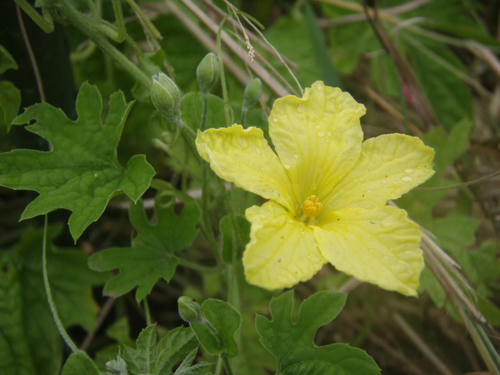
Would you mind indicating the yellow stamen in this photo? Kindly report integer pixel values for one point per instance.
(312, 206)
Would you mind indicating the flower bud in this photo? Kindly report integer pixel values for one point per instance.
(189, 309)
(207, 72)
(166, 96)
(252, 93)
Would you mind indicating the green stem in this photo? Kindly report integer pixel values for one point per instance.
(244, 113)
(147, 312)
(144, 19)
(88, 26)
(227, 366)
(479, 341)
(120, 22)
(223, 83)
(196, 266)
(48, 291)
(205, 179)
(218, 366)
(44, 21)
(166, 186)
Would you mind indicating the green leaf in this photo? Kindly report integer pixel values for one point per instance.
(347, 54)
(449, 96)
(192, 104)
(152, 255)
(490, 311)
(216, 332)
(79, 363)
(292, 342)
(429, 283)
(186, 367)
(229, 238)
(154, 357)
(288, 33)
(10, 101)
(6, 60)
(320, 48)
(448, 148)
(29, 341)
(82, 171)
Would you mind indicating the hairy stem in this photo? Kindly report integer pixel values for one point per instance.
(48, 291)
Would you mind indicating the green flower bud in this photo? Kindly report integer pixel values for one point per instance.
(252, 93)
(207, 72)
(166, 96)
(189, 309)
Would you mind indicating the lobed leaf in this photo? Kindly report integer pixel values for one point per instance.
(216, 332)
(152, 255)
(29, 341)
(292, 342)
(81, 173)
(154, 357)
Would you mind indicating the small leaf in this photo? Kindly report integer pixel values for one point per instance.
(6, 60)
(155, 358)
(80, 363)
(292, 343)
(216, 332)
(152, 255)
(82, 172)
(10, 101)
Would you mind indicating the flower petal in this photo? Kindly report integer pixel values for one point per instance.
(282, 251)
(389, 166)
(380, 246)
(244, 157)
(317, 137)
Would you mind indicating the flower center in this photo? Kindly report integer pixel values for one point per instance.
(312, 206)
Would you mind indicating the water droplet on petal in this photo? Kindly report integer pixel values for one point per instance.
(243, 143)
(317, 85)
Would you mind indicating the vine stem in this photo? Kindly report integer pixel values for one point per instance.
(225, 96)
(218, 366)
(204, 173)
(88, 27)
(147, 312)
(48, 291)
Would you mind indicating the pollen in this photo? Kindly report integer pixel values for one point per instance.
(312, 206)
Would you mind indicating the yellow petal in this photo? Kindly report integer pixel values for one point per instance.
(317, 137)
(282, 251)
(244, 157)
(380, 246)
(389, 166)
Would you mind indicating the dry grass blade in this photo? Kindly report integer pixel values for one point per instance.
(239, 51)
(422, 345)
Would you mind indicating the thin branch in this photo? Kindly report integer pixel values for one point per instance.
(32, 57)
(467, 183)
(106, 308)
(268, 79)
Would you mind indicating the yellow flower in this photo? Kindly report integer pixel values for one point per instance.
(327, 192)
